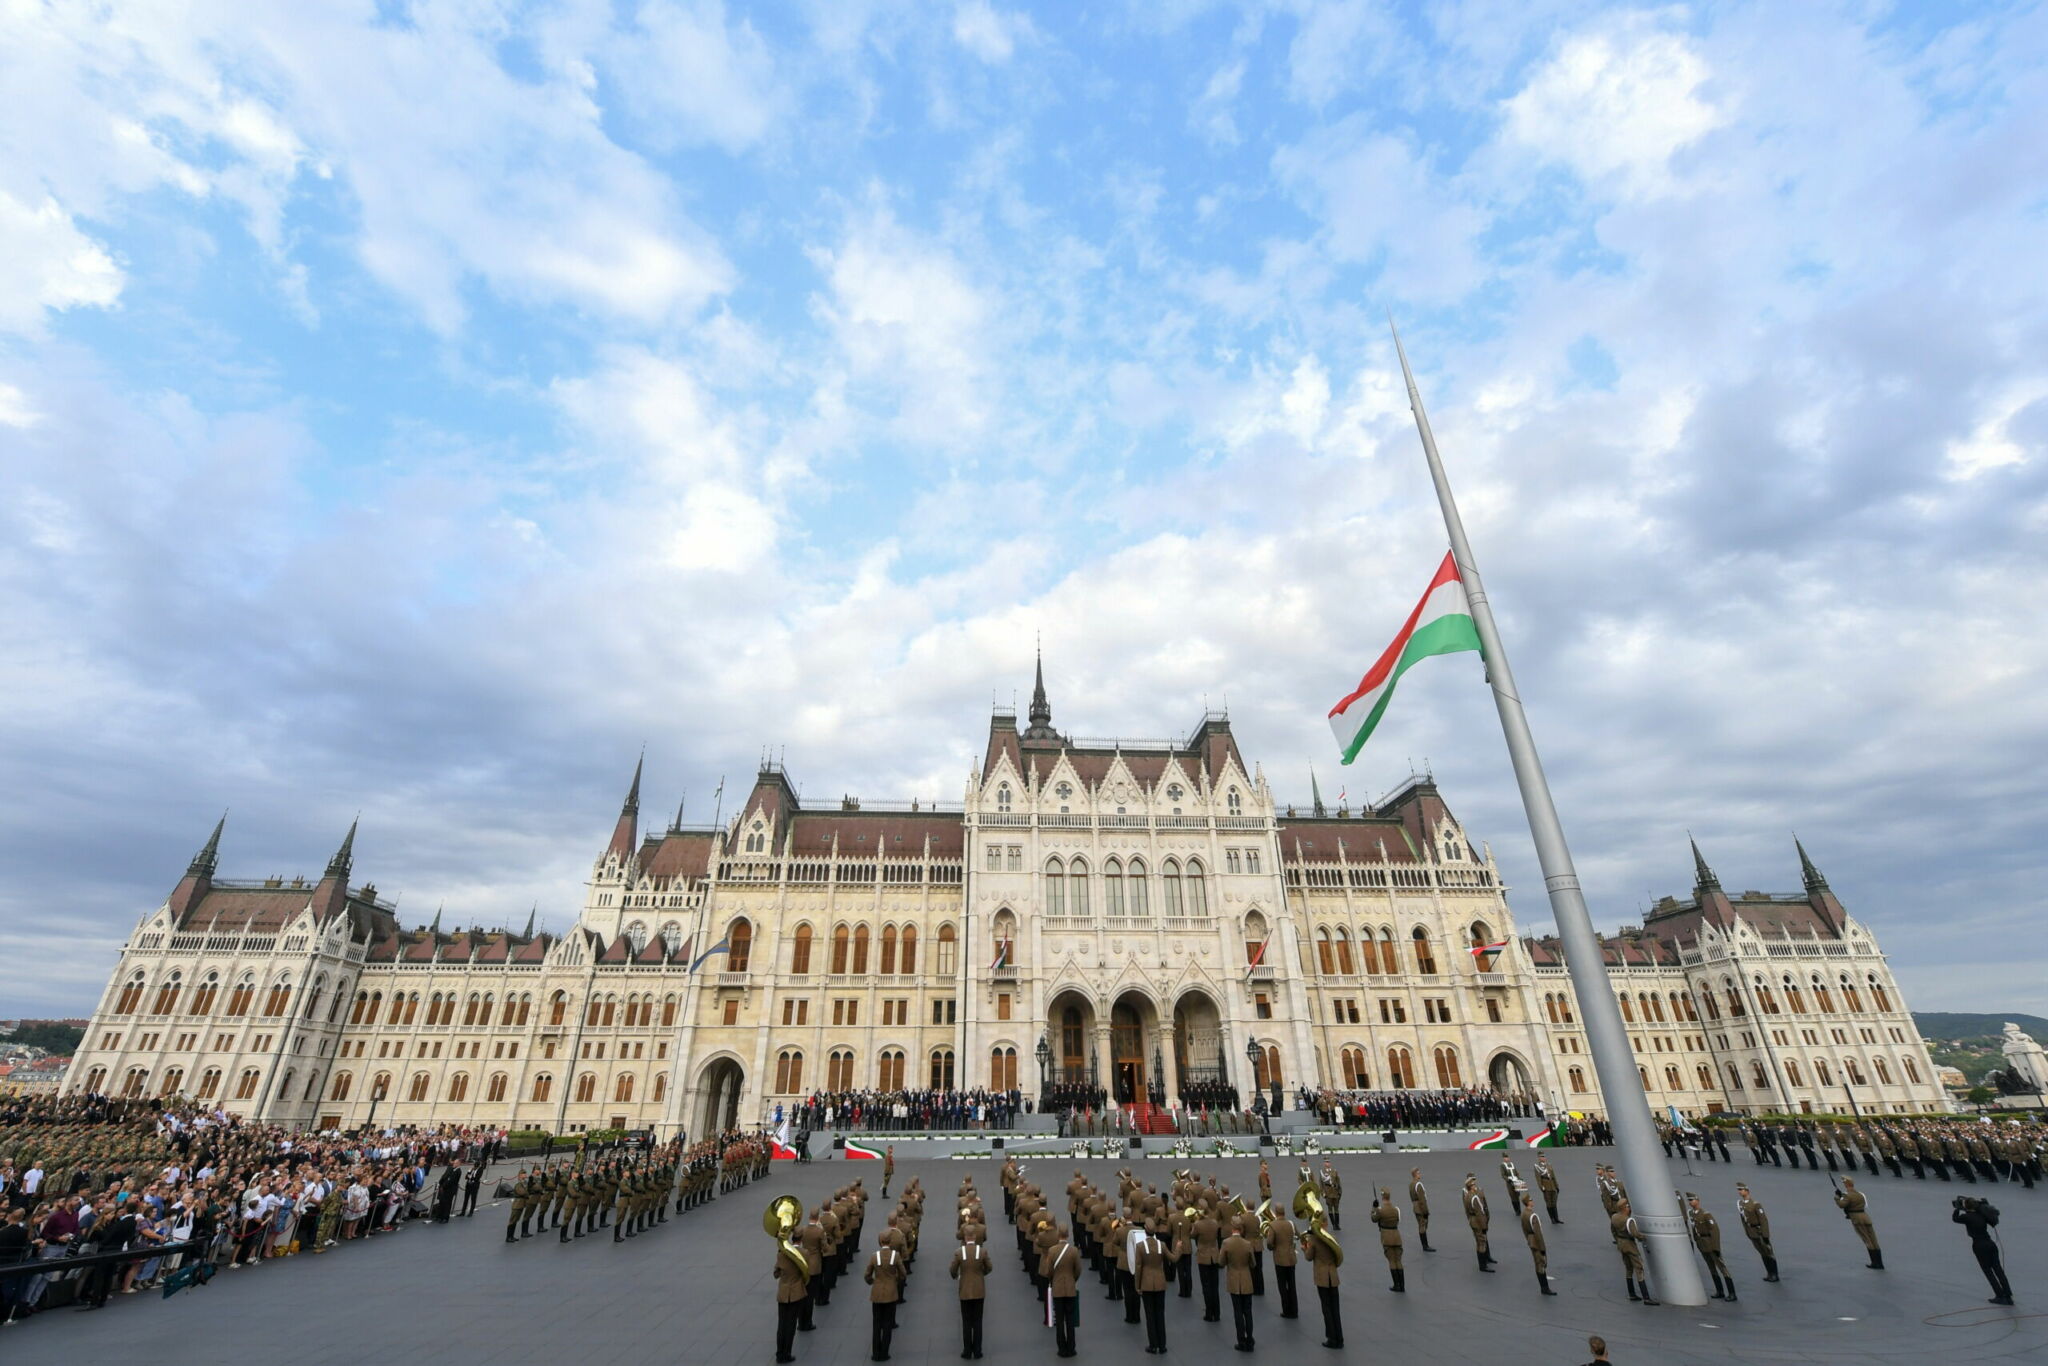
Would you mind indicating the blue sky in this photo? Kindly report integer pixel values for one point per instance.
(416, 408)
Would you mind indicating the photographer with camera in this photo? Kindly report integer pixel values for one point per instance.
(1980, 1217)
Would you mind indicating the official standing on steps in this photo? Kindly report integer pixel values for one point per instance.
(1856, 1209)
(1756, 1226)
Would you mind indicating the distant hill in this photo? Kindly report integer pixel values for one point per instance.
(1939, 1024)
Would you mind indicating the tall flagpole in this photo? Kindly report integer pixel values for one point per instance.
(1643, 1169)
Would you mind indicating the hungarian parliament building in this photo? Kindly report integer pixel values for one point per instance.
(1142, 918)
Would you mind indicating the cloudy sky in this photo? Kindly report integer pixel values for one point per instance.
(414, 408)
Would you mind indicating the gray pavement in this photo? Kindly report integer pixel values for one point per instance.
(698, 1288)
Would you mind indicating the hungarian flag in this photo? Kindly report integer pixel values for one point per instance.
(1551, 1137)
(862, 1150)
(1258, 956)
(1478, 949)
(778, 1144)
(1441, 624)
(1497, 1139)
(1002, 955)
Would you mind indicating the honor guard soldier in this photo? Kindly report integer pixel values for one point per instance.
(1856, 1209)
(1418, 1201)
(1546, 1181)
(1323, 1275)
(1622, 1226)
(1208, 1257)
(1333, 1195)
(970, 1267)
(1280, 1240)
(888, 1168)
(1756, 1226)
(1706, 1236)
(1265, 1181)
(520, 1204)
(811, 1238)
(1477, 1219)
(1388, 1219)
(1532, 1233)
(885, 1275)
(1512, 1180)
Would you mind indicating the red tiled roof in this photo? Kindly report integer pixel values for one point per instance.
(678, 856)
(534, 950)
(1314, 839)
(864, 834)
(248, 910)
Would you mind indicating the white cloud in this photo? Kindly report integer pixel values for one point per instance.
(15, 408)
(987, 32)
(1338, 45)
(47, 265)
(695, 74)
(1616, 107)
(1214, 112)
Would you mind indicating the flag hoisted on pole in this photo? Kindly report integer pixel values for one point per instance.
(1628, 1109)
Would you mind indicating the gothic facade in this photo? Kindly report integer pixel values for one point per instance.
(1139, 917)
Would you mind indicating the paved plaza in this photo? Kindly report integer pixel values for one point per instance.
(698, 1289)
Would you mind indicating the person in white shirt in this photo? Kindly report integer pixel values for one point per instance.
(32, 1182)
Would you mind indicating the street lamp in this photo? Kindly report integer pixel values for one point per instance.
(1251, 1057)
(376, 1094)
(1044, 1065)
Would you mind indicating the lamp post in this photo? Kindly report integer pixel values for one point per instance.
(376, 1094)
(1251, 1057)
(1044, 1067)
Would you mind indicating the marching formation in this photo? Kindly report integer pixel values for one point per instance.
(582, 1194)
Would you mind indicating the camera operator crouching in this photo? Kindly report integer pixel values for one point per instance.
(1980, 1217)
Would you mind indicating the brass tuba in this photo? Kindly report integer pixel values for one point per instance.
(784, 1214)
(1308, 1207)
(1265, 1216)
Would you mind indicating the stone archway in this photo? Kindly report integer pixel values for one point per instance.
(1133, 1043)
(1201, 1069)
(1509, 1075)
(719, 1088)
(1075, 1069)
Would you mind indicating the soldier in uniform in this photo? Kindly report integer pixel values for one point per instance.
(792, 1293)
(520, 1204)
(1706, 1236)
(1060, 1269)
(1855, 1208)
(1756, 1226)
(888, 1168)
(1208, 1257)
(1237, 1273)
(1546, 1181)
(1152, 1254)
(1477, 1219)
(1621, 1225)
(470, 1188)
(1280, 1239)
(885, 1275)
(1418, 1201)
(1333, 1195)
(1512, 1180)
(1532, 1233)
(811, 1238)
(1388, 1218)
(1323, 1275)
(970, 1267)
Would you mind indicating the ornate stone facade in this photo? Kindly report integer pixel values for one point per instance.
(1138, 916)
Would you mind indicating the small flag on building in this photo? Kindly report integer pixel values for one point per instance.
(1441, 624)
(1002, 955)
(720, 947)
(1258, 955)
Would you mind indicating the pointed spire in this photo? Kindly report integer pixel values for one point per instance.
(1814, 881)
(206, 860)
(435, 928)
(633, 793)
(626, 834)
(527, 933)
(1703, 876)
(1315, 791)
(1041, 709)
(678, 822)
(344, 857)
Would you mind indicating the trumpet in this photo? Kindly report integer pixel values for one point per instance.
(780, 1221)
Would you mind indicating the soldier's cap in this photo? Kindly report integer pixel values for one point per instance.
(1690, 1196)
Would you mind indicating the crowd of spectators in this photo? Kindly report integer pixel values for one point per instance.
(876, 1111)
(89, 1176)
(1447, 1108)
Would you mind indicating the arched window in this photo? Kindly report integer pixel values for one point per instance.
(1356, 1077)
(494, 1093)
(660, 1088)
(1198, 891)
(593, 1013)
(202, 999)
(888, 950)
(167, 996)
(1447, 1067)
(1169, 882)
(1792, 1072)
(131, 996)
(1655, 1004)
(1483, 956)
(1756, 1075)
(1113, 887)
(668, 1009)
(611, 1009)
(636, 935)
(842, 941)
(1002, 797)
(1853, 1069)
(1733, 997)
(740, 945)
(789, 1071)
(757, 839)
(1002, 1069)
(1344, 964)
(1793, 996)
(1823, 996)
(1326, 954)
(1578, 1078)
(1767, 1001)
(1077, 887)
(622, 1088)
(1884, 1071)
(1234, 802)
(889, 1070)
(1266, 1068)
(245, 1085)
(458, 1087)
(908, 961)
(174, 1077)
(1628, 1009)
(1055, 887)
(839, 1070)
(586, 1087)
(279, 999)
(542, 1085)
(245, 992)
(397, 1015)
(1644, 1073)
(1134, 888)
(97, 1078)
(1400, 1068)
(355, 1016)
(1878, 999)
(418, 1090)
(1425, 956)
(860, 951)
(1734, 1077)
(1706, 1076)
(558, 1008)
(1255, 936)
(800, 952)
(1673, 1079)
(1820, 1070)
(138, 1079)
(942, 1069)
(1912, 1070)
(338, 1088)
(209, 1083)
(1550, 1007)
(475, 1002)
